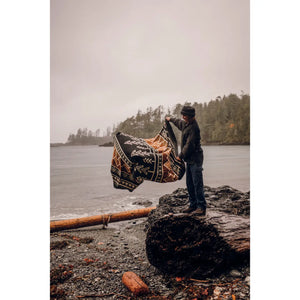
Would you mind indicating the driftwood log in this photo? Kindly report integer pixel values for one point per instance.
(99, 219)
(189, 246)
(135, 284)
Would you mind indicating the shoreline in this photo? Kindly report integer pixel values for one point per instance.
(90, 261)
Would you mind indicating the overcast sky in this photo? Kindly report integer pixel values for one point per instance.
(110, 58)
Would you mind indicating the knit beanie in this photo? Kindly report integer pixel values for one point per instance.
(188, 111)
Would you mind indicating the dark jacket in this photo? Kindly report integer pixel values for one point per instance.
(191, 151)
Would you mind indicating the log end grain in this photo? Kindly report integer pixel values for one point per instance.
(184, 245)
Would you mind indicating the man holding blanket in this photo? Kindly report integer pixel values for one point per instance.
(192, 154)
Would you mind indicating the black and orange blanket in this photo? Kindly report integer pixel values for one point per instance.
(136, 159)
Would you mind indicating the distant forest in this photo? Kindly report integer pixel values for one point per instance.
(224, 121)
(88, 137)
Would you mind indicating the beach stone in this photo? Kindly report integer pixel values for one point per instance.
(235, 273)
(180, 295)
(145, 203)
(247, 280)
(217, 291)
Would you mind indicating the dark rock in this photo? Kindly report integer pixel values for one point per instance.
(58, 245)
(86, 240)
(145, 203)
(236, 196)
(225, 189)
(170, 200)
(60, 274)
(224, 198)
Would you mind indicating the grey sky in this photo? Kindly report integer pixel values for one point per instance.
(110, 58)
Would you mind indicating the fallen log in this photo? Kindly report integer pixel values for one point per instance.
(135, 284)
(99, 219)
(190, 246)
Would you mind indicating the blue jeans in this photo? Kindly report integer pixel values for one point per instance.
(194, 183)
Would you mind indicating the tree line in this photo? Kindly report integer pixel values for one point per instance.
(222, 121)
(88, 137)
(225, 120)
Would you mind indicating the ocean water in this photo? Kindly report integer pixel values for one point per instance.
(81, 184)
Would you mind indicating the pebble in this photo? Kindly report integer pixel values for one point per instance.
(235, 273)
(217, 291)
(180, 295)
(247, 280)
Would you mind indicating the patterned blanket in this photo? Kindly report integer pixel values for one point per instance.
(136, 159)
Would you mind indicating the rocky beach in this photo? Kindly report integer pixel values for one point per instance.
(89, 263)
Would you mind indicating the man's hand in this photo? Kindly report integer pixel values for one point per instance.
(168, 119)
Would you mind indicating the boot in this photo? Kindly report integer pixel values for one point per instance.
(188, 210)
(199, 212)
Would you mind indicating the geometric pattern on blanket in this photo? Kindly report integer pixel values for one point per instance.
(136, 159)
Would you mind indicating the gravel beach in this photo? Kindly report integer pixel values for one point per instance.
(89, 263)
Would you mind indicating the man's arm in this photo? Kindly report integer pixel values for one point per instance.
(177, 122)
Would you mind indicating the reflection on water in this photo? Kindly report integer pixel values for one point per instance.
(81, 183)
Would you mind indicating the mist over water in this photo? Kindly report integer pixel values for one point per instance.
(81, 183)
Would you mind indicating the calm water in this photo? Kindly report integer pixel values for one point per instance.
(81, 184)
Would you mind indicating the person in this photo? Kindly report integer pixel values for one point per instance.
(192, 154)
